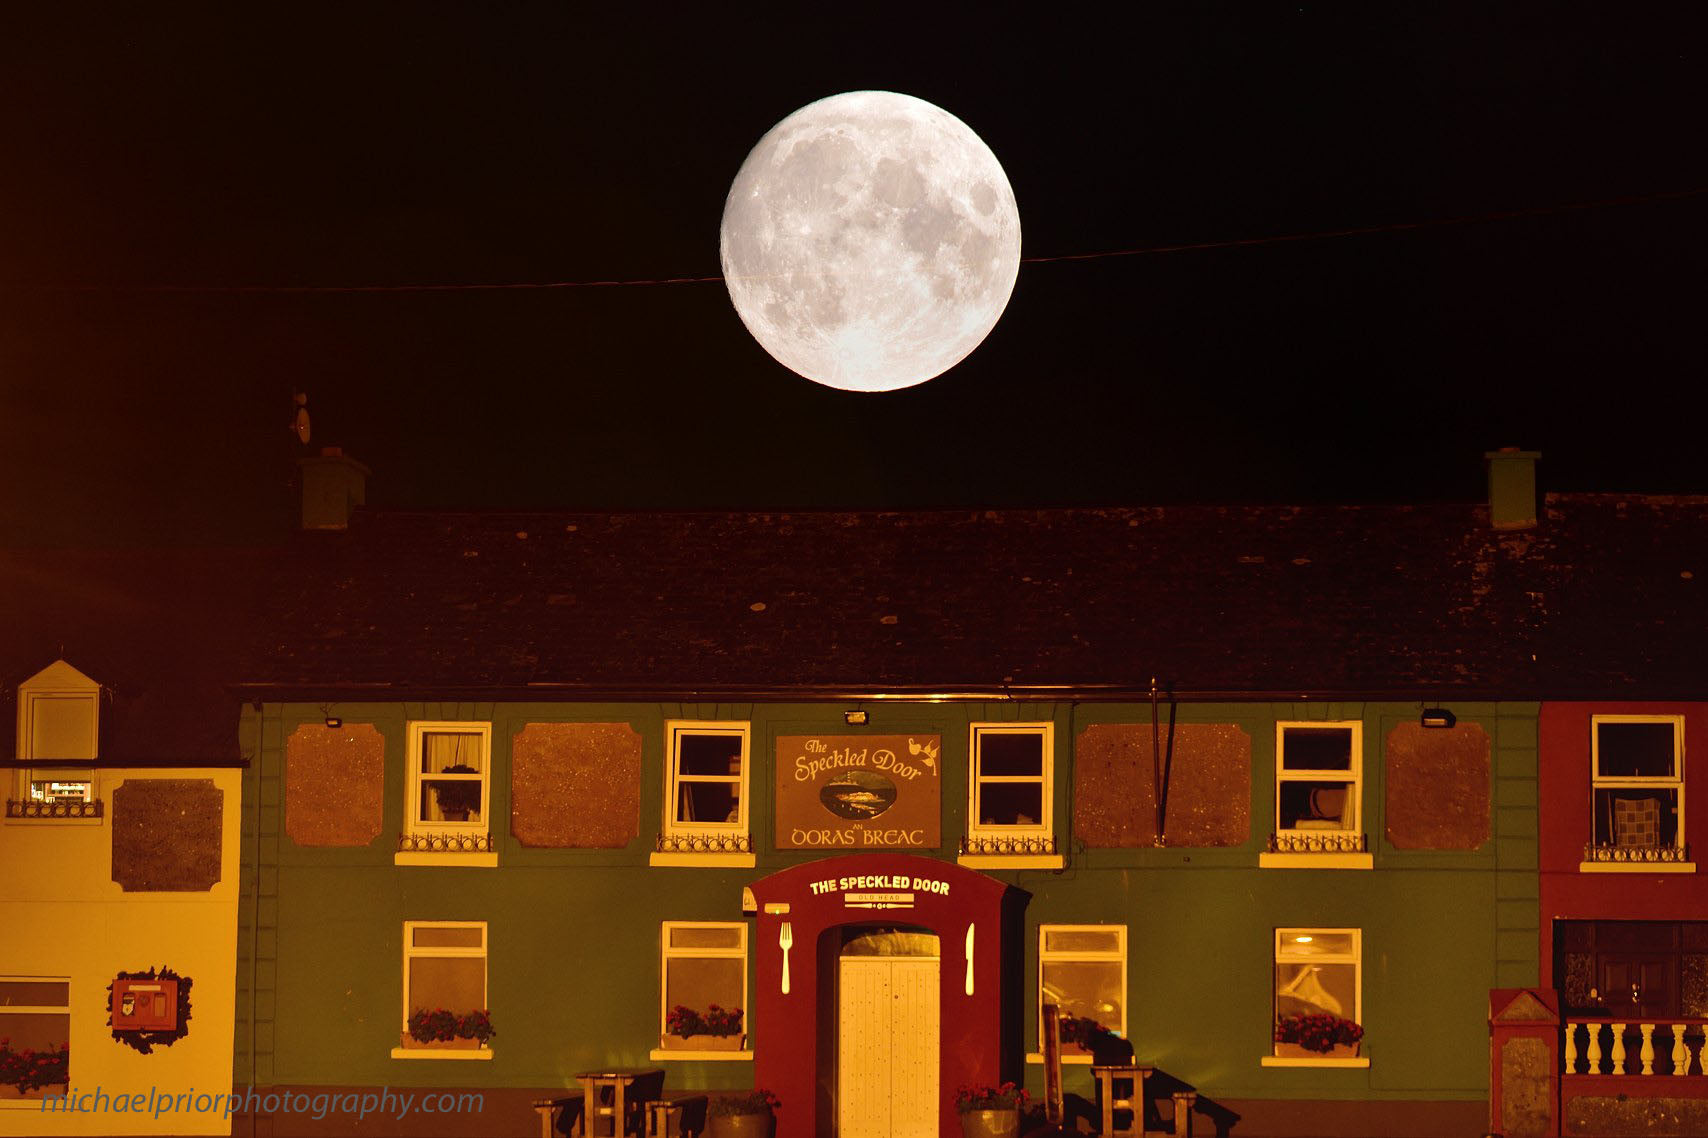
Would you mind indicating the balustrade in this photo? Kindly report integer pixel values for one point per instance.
(1603, 1050)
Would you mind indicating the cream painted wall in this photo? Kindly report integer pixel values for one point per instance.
(64, 916)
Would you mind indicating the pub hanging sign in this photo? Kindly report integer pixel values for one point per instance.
(859, 792)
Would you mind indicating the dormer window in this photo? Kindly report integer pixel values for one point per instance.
(58, 715)
(59, 712)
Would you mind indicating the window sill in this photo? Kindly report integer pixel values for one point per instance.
(467, 860)
(1067, 1060)
(1278, 1061)
(1637, 867)
(1011, 861)
(22, 821)
(744, 860)
(426, 1053)
(1316, 861)
(676, 1054)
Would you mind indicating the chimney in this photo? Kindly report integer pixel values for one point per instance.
(1512, 487)
(332, 485)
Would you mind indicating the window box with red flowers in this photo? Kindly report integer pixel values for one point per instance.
(441, 1030)
(26, 1072)
(715, 1029)
(1316, 1036)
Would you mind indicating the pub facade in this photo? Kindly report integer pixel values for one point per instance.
(833, 804)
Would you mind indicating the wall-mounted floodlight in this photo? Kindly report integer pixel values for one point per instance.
(1437, 717)
(857, 718)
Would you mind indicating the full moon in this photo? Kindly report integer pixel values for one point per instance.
(870, 241)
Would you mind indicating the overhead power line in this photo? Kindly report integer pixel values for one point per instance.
(1100, 255)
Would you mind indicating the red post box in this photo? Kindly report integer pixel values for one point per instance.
(145, 1005)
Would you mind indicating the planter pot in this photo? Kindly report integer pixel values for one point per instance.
(1298, 1051)
(410, 1043)
(991, 1123)
(702, 1042)
(741, 1125)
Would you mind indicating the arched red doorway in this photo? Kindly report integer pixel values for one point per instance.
(795, 1032)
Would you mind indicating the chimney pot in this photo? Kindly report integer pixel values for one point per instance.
(333, 485)
(1512, 488)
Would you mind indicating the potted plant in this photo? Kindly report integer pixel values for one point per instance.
(1317, 1035)
(746, 1115)
(990, 1111)
(441, 1030)
(716, 1029)
(460, 798)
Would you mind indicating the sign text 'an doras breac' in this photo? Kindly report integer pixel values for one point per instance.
(858, 792)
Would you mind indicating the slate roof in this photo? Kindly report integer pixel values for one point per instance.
(158, 629)
(1603, 600)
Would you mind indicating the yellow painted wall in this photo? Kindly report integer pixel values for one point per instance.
(63, 915)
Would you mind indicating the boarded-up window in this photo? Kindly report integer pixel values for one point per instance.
(575, 785)
(1437, 787)
(334, 784)
(167, 834)
(1207, 785)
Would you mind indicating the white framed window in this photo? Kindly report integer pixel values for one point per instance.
(59, 712)
(702, 987)
(35, 1016)
(1637, 794)
(1319, 999)
(444, 975)
(1011, 795)
(1082, 970)
(448, 808)
(1319, 793)
(50, 786)
(706, 794)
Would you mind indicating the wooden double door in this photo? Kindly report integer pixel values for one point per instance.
(888, 1042)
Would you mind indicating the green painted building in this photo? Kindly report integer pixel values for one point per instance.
(566, 770)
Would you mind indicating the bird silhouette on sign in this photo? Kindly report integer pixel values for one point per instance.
(929, 750)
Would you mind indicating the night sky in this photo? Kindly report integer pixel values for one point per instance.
(171, 174)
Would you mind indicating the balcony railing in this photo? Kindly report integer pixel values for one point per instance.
(444, 843)
(1594, 851)
(703, 843)
(1634, 1046)
(1317, 841)
(59, 808)
(1003, 845)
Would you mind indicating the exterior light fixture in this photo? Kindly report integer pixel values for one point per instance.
(334, 721)
(1437, 717)
(857, 718)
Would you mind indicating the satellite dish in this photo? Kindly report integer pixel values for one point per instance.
(299, 421)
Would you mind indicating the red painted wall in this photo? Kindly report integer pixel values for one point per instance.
(787, 1033)
(1563, 800)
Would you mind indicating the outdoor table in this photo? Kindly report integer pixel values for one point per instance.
(1133, 1101)
(614, 1082)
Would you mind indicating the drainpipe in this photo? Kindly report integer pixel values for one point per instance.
(1156, 768)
